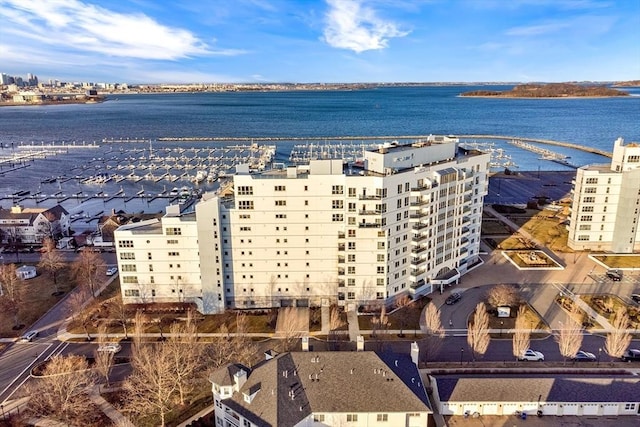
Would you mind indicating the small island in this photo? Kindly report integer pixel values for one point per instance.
(550, 90)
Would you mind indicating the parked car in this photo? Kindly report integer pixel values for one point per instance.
(635, 298)
(632, 354)
(584, 356)
(111, 271)
(110, 348)
(532, 355)
(453, 298)
(28, 336)
(615, 275)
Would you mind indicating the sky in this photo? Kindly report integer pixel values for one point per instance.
(321, 41)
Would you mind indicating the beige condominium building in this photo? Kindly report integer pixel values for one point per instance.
(405, 220)
(606, 203)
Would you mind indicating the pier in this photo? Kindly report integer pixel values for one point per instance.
(540, 141)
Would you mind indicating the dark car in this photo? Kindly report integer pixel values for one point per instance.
(635, 298)
(584, 356)
(631, 355)
(453, 298)
(615, 275)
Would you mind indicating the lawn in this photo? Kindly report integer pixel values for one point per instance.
(545, 226)
(37, 300)
(607, 305)
(619, 261)
(406, 318)
(531, 259)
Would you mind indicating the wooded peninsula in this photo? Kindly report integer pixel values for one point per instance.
(549, 90)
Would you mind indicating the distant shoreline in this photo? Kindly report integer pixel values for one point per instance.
(541, 97)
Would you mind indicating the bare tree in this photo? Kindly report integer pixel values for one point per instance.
(87, 269)
(618, 340)
(335, 318)
(380, 322)
(151, 387)
(118, 309)
(403, 304)
(61, 391)
(522, 334)
(76, 301)
(503, 295)
(569, 337)
(291, 327)
(434, 330)
(219, 352)
(103, 359)
(243, 348)
(11, 295)
(478, 336)
(184, 355)
(51, 261)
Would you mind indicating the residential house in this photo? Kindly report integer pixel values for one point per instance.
(32, 225)
(322, 389)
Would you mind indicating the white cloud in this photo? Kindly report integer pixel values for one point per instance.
(76, 26)
(354, 26)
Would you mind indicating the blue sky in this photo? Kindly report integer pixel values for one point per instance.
(205, 41)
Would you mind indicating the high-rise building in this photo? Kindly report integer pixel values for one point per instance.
(405, 222)
(605, 213)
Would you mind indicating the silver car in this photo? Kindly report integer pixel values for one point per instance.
(532, 355)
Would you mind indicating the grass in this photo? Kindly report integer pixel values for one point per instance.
(37, 300)
(607, 305)
(406, 318)
(545, 226)
(577, 314)
(531, 319)
(619, 261)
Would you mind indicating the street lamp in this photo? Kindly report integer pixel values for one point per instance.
(501, 324)
(461, 355)
(599, 353)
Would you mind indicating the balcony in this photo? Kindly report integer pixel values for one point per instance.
(341, 235)
(420, 203)
(369, 225)
(419, 237)
(370, 212)
(466, 209)
(370, 197)
(340, 283)
(464, 241)
(418, 250)
(341, 272)
(416, 262)
(340, 260)
(419, 226)
(465, 230)
(341, 247)
(466, 220)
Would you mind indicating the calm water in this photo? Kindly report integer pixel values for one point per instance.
(376, 112)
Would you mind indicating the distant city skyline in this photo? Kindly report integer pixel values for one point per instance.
(332, 41)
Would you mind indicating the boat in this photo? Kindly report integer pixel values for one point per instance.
(174, 191)
(201, 175)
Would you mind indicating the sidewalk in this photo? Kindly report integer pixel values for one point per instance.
(354, 327)
(111, 412)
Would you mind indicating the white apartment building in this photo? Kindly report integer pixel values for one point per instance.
(407, 221)
(606, 203)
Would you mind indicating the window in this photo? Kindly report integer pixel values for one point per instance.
(245, 204)
(279, 188)
(127, 255)
(587, 209)
(592, 180)
(351, 246)
(125, 243)
(281, 216)
(281, 203)
(351, 207)
(172, 242)
(174, 253)
(337, 204)
(351, 269)
(590, 190)
(380, 281)
(586, 218)
(337, 218)
(351, 258)
(382, 417)
(381, 245)
(589, 199)
(380, 269)
(130, 279)
(351, 233)
(174, 231)
(245, 190)
(318, 418)
(352, 192)
(129, 267)
(351, 295)
(583, 237)
(629, 406)
(131, 293)
(245, 228)
(585, 227)
(352, 418)
(351, 282)
(337, 189)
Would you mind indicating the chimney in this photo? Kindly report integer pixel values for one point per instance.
(360, 343)
(415, 353)
(305, 343)
(239, 378)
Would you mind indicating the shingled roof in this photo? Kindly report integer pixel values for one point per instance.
(293, 385)
(550, 388)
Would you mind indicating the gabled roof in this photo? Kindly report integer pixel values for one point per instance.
(224, 375)
(55, 213)
(555, 388)
(294, 385)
